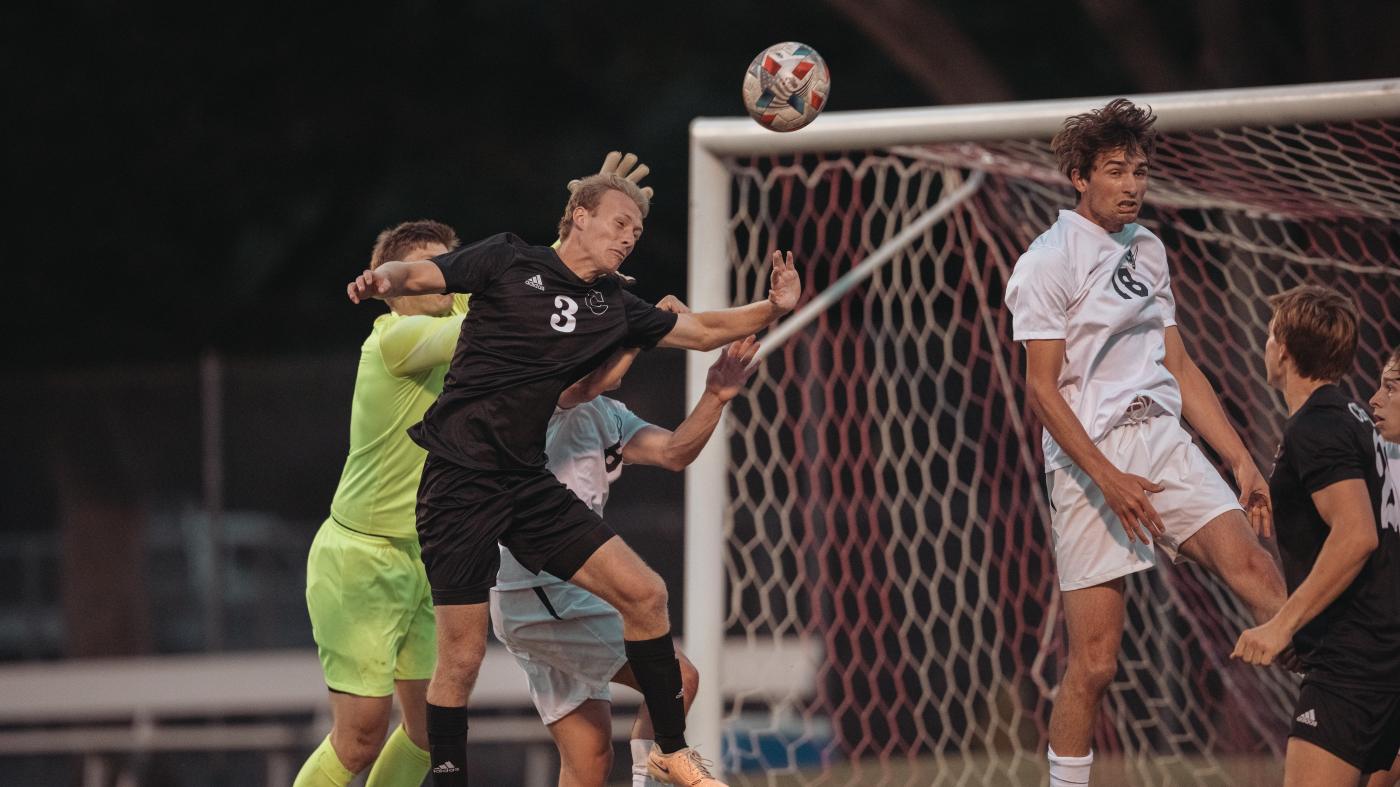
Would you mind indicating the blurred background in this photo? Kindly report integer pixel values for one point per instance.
(192, 186)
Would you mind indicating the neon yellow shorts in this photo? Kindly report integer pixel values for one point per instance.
(371, 610)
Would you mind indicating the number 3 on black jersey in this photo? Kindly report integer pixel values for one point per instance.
(563, 321)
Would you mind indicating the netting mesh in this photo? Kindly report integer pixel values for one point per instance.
(886, 519)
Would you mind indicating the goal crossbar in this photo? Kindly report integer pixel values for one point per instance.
(1259, 106)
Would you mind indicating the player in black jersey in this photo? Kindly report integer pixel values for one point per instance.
(540, 320)
(1341, 553)
(1385, 412)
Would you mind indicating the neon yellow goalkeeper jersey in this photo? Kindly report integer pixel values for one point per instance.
(402, 365)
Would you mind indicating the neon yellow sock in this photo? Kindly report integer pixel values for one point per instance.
(323, 769)
(400, 764)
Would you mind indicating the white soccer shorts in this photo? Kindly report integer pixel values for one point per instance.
(570, 649)
(1091, 546)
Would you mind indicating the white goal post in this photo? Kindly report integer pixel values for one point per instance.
(740, 175)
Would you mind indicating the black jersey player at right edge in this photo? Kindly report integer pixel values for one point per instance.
(539, 322)
(1340, 548)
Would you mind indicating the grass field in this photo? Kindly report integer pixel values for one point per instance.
(1109, 771)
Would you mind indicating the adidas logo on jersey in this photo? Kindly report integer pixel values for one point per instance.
(536, 281)
(1308, 717)
(446, 767)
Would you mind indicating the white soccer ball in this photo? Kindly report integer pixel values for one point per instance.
(786, 86)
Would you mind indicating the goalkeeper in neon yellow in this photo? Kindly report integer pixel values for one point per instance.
(366, 590)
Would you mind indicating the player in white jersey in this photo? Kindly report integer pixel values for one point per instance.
(1109, 377)
(1385, 413)
(568, 641)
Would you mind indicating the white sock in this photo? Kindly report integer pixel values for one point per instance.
(1069, 771)
(641, 749)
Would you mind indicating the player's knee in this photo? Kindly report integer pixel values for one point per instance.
(646, 599)
(1102, 675)
(1260, 565)
(356, 747)
(589, 766)
(1094, 672)
(459, 664)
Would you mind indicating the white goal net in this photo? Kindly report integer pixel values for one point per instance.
(875, 520)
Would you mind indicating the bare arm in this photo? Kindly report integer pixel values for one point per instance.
(653, 445)
(1123, 492)
(712, 329)
(1201, 407)
(1346, 508)
(393, 279)
(601, 380)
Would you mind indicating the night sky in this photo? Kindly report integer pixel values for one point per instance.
(208, 176)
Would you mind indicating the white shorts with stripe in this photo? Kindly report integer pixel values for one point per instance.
(568, 641)
(1091, 546)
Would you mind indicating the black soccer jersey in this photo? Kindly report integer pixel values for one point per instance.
(534, 329)
(1356, 640)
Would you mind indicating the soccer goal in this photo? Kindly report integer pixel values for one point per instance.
(875, 519)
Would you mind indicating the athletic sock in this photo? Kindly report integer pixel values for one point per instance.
(641, 750)
(323, 769)
(447, 745)
(400, 764)
(1069, 771)
(659, 675)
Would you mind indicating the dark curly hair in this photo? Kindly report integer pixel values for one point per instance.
(1120, 124)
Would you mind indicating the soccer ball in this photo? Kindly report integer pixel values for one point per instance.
(786, 86)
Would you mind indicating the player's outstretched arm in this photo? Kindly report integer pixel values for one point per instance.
(1124, 492)
(712, 329)
(1346, 508)
(393, 279)
(1201, 407)
(674, 451)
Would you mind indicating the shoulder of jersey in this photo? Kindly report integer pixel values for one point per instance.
(1323, 417)
(1146, 234)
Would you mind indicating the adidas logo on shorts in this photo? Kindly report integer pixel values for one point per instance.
(536, 281)
(1308, 717)
(446, 767)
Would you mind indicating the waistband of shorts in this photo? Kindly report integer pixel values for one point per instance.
(374, 538)
(1139, 411)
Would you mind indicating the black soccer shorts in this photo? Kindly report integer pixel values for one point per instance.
(463, 513)
(1360, 726)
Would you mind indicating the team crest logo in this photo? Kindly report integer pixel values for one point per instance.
(612, 457)
(1124, 283)
(595, 302)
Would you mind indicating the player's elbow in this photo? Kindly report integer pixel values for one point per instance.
(705, 340)
(706, 336)
(1355, 541)
(1365, 540)
(714, 341)
(675, 462)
